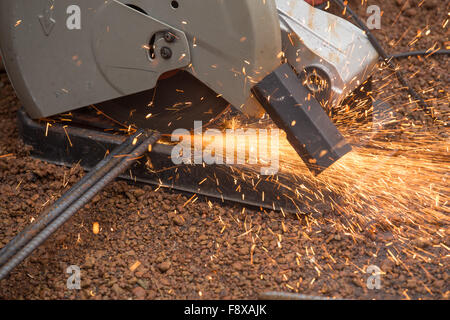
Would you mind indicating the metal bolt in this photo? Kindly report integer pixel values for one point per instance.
(166, 53)
(169, 37)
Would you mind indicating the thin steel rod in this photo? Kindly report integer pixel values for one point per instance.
(125, 162)
(66, 199)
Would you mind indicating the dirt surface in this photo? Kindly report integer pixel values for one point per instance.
(151, 246)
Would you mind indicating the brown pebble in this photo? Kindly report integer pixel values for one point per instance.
(402, 3)
(237, 266)
(164, 266)
(117, 289)
(387, 265)
(151, 295)
(422, 242)
(412, 12)
(411, 283)
(139, 292)
(178, 220)
(89, 262)
(430, 4)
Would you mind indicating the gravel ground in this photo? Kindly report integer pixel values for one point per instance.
(150, 246)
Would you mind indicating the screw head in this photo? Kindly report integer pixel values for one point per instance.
(166, 53)
(169, 37)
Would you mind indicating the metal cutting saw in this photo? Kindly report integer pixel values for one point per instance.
(163, 64)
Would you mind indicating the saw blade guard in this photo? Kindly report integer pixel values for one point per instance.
(66, 54)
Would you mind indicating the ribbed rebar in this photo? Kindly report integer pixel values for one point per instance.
(66, 199)
(124, 163)
(273, 295)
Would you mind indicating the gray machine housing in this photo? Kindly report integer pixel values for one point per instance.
(66, 54)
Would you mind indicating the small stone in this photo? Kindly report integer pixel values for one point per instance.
(244, 251)
(139, 292)
(117, 289)
(387, 265)
(412, 12)
(422, 243)
(86, 283)
(411, 283)
(178, 220)
(90, 262)
(252, 276)
(439, 283)
(430, 4)
(143, 284)
(164, 266)
(402, 3)
(237, 266)
(138, 192)
(100, 253)
(151, 295)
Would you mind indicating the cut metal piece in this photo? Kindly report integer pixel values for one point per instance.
(308, 128)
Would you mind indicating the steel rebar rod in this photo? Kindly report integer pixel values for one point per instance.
(274, 295)
(66, 199)
(147, 139)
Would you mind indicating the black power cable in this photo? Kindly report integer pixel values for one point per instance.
(387, 59)
(422, 53)
(403, 55)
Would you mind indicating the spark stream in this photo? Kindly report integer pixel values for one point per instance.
(232, 147)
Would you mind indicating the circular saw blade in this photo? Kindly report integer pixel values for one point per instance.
(176, 102)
